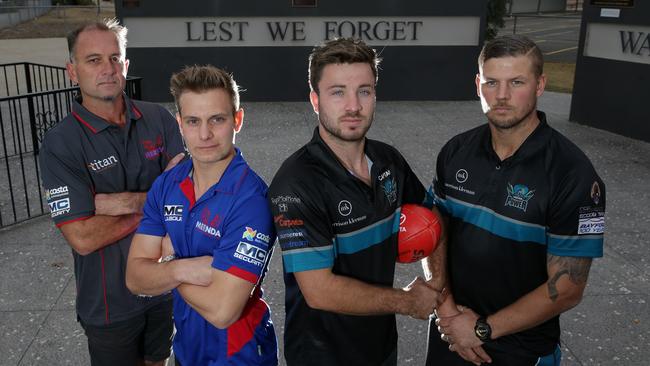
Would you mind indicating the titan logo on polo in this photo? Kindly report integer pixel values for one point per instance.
(100, 165)
(173, 212)
(250, 253)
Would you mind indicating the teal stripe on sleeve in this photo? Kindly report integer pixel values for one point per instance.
(576, 245)
(307, 259)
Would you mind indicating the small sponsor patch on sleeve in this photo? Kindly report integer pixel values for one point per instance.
(591, 222)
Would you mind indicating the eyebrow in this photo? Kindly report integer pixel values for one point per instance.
(344, 86)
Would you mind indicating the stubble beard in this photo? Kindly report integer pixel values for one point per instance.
(513, 122)
(332, 129)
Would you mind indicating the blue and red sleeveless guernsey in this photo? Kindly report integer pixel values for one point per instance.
(232, 223)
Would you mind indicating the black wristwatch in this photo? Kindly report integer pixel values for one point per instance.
(483, 330)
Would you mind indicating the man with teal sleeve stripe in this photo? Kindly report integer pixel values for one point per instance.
(525, 213)
(336, 205)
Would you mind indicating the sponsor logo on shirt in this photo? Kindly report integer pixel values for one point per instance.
(251, 234)
(250, 253)
(384, 175)
(345, 208)
(461, 176)
(61, 191)
(152, 149)
(294, 244)
(591, 222)
(101, 165)
(173, 212)
(283, 202)
(518, 196)
(59, 207)
(595, 193)
(290, 234)
(281, 221)
(207, 226)
(349, 221)
(390, 190)
(460, 189)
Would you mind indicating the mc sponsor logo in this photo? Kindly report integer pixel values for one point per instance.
(59, 207)
(250, 253)
(173, 212)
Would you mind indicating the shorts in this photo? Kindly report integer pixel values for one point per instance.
(147, 336)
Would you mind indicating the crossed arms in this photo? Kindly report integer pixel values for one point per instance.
(217, 296)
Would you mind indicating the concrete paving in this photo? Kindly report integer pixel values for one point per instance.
(610, 327)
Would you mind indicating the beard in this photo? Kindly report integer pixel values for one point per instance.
(334, 129)
(506, 124)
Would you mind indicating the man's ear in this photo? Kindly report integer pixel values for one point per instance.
(239, 119)
(313, 98)
(72, 72)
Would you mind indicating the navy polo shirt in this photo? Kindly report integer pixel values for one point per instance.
(84, 155)
(327, 218)
(232, 223)
(506, 216)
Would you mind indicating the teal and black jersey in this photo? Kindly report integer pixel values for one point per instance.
(506, 216)
(327, 218)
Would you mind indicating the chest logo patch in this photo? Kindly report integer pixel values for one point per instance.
(461, 176)
(518, 196)
(152, 149)
(345, 208)
(390, 190)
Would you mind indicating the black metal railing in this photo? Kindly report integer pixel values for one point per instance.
(38, 97)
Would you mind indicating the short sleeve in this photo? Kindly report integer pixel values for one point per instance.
(437, 188)
(577, 216)
(152, 222)
(173, 139)
(302, 225)
(68, 189)
(247, 239)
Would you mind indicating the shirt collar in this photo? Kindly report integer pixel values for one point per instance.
(319, 148)
(535, 142)
(95, 123)
(231, 179)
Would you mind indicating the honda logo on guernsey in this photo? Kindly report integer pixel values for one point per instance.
(208, 227)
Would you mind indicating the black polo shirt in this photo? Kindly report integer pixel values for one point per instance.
(327, 218)
(83, 155)
(506, 216)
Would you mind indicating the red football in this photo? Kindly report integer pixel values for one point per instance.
(419, 231)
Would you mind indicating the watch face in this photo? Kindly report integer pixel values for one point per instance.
(482, 331)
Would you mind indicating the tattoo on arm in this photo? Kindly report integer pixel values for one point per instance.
(575, 267)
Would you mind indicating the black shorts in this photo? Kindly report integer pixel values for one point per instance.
(147, 336)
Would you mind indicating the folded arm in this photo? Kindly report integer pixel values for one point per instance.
(88, 235)
(146, 275)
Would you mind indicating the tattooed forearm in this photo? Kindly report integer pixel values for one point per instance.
(576, 268)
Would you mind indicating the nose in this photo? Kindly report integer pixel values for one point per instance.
(503, 91)
(352, 103)
(205, 133)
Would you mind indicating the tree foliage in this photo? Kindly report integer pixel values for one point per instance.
(496, 11)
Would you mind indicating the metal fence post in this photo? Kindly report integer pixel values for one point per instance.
(30, 109)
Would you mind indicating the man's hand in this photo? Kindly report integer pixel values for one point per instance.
(458, 331)
(175, 160)
(196, 271)
(423, 299)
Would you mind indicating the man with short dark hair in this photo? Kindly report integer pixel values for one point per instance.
(214, 209)
(337, 204)
(526, 216)
(98, 164)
